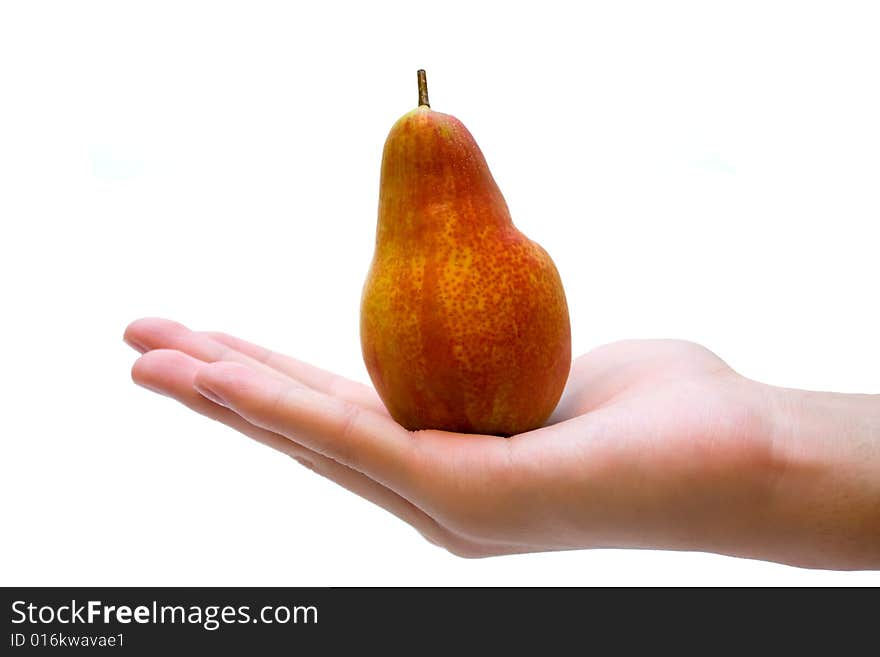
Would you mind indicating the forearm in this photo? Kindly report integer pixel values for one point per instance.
(825, 510)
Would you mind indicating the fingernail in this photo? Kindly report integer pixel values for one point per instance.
(135, 345)
(207, 393)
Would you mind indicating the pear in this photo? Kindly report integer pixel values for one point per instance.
(464, 322)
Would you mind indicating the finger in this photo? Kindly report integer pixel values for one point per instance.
(155, 333)
(356, 437)
(172, 373)
(314, 377)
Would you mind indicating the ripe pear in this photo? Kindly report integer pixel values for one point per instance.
(464, 322)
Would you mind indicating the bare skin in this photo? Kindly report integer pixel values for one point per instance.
(655, 444)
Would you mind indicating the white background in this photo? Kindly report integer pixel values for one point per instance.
(704, 171)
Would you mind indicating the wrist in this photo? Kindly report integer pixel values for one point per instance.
(825, 507)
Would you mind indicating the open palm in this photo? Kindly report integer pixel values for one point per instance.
(654, 444)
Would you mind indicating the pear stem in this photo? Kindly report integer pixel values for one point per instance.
(423, 88)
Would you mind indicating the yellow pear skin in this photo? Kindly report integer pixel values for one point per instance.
(464, 321)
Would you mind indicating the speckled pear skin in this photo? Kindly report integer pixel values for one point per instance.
(464, 322)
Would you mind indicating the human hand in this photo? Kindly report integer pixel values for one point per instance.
(655, 444)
